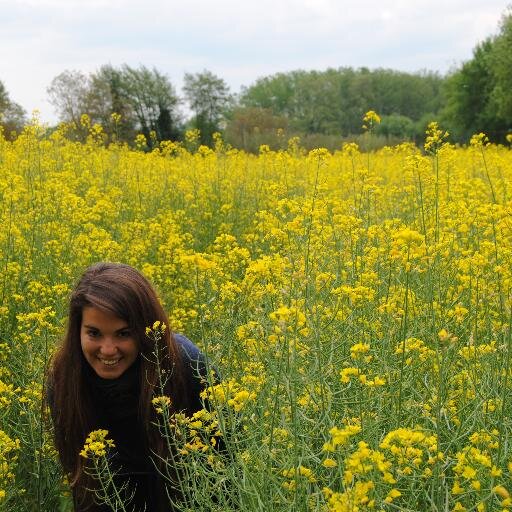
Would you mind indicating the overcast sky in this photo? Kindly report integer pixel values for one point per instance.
(237, 40)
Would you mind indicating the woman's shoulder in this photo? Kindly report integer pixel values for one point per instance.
(195, 362)
(189, 351)
(198, 371)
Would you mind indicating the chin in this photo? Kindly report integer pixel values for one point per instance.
(109, 375)
(106, 372)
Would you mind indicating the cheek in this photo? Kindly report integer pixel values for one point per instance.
(85, 345)
(83, 339)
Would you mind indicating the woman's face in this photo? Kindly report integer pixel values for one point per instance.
(108, 344)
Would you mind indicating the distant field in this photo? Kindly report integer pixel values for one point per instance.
(358, 306)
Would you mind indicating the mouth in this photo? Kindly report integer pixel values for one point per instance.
(109, 362)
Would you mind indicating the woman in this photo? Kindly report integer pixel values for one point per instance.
(104, 376)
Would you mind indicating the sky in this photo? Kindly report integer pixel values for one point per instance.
(239, 41)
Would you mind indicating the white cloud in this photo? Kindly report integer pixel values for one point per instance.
(239, 41)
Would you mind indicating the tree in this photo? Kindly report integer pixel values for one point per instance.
(397, 126)
(153, 100)
(469, 108)
(249, 127)
(479, 94)
(208, 97)
(12, 115)
(144, 98)
(274, 92)
(333, 101)
(106, 96)
(316, 93)
(501, 62)
(68, 93)
(4, 98)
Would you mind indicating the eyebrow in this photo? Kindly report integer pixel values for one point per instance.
(87, 326)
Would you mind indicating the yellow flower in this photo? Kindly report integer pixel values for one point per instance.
(161, 403)
(409, 236)
(435, 137)
(240, 399)
(456, 488)
(116, 118)
(156, 330)
(443, 335)
(392, 494)
(359, 349)
(97, 444)
(346, 373)
(501, 491)
(479, 140)
(370, 119)
(85, 120)
(301, 470)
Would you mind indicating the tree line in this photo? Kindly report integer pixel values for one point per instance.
(126, 101)
(319, 106)
(479, 93)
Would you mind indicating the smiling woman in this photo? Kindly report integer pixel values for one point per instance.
(104, 377)
(108, 343)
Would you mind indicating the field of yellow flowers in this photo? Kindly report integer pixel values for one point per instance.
(358, 306)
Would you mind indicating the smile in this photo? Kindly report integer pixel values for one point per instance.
(109, 362)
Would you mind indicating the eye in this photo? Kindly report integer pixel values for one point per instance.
(126, 333)
(93, 333)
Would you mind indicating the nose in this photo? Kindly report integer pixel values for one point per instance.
(108, 348)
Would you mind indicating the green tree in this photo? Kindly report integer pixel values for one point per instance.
(107, 96)
(316, 93)
(274, 92)
(144, 98)
(470, 107)
(153, 99)
(501, 62)
(397, 126)
(4, 98)
(479, 93)
(208, 97)
(333, 101)
(12, 115)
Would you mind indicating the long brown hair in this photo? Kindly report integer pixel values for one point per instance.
(123, 291)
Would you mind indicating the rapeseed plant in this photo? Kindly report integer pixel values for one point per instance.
(357, 306)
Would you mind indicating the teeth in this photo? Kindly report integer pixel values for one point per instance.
(109, 362)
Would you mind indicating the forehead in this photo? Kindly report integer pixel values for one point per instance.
(96, 317)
